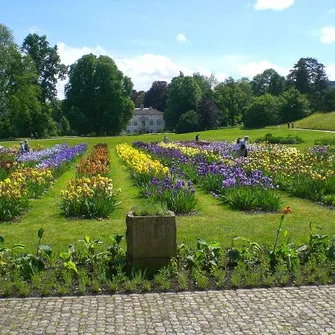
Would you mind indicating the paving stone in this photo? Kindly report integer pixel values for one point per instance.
(291, 311)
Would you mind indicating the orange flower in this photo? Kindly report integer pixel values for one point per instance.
(287, 210)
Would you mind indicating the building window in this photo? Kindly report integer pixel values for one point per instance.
(151, 122)
(143, 123)
(158, 122)
(135, 123)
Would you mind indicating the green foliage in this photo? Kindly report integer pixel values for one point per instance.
(233, 97)
(263, 111)
(293, 105)
(290, 139)
(309, 77)
(156, 96)
(188, 122)
(183, 95)
(329, 100)
(47, 63)
(269, 81)
(251, 199)
(208, 114)
(150, 208)
(102, 111)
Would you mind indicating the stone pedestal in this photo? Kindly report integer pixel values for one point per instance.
(151, 240)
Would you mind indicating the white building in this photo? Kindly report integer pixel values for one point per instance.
(145, 121)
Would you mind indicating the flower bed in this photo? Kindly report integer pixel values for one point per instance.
(26, 180)
(156, 182)
(225, 178)
(91, 195)
(96, 163)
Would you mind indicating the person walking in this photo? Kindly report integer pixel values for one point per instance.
(21, 148)
(244, 147)
(26, 146)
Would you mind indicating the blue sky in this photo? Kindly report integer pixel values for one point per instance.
(154, 39)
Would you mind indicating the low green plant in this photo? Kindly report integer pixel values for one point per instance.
(150, 209)
(201, 280)
(290, 139)
(251, 198)
(182, 278)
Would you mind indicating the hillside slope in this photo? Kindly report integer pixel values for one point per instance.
(324, 121)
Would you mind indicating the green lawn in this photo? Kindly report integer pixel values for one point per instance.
(213, 221)
(324, 121)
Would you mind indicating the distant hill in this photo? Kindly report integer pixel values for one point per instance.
(322, 121)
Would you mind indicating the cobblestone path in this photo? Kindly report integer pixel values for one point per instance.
(305, 310)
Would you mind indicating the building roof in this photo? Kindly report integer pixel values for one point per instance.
(147, 111)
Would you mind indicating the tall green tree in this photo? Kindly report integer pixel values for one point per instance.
(293, 106)
(96, 98)
(47, 62)
(263, 111)
(208, 114)
(269, 81)
(19, 93)
(183, 95)
(233, 97)
(330, 100)
(206, 84)
(157, 95)
(188, 122)
(309, 77)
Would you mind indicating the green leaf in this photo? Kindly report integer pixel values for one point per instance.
(46, 248)
(18, 246)
(40, 233)
(71, 266)
(118, 238)
(2, 239)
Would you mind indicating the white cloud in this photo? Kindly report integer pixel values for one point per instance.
(181, 38)
(331, 11)
(328, 35)
(142, 69)
(145, 69)
(251, 69)
(273, 4)
(330, 70)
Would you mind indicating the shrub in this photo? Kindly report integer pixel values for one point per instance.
(251, 198)
(291, 139)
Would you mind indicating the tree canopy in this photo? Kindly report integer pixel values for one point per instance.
(47, 63)
(98, 96)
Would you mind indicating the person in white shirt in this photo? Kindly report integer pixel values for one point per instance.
(244, 146)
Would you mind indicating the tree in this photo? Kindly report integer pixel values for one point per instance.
(188, 122)
(183, 95)
(47, 62)
(96, 99)
(19, 93)
(232, 97)
(293, 105)
(270, 81)
(206, 84)
(263, 111)
(330, 100)
(8, 50)
(309, 77)
(208, 114)
(157, 95)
